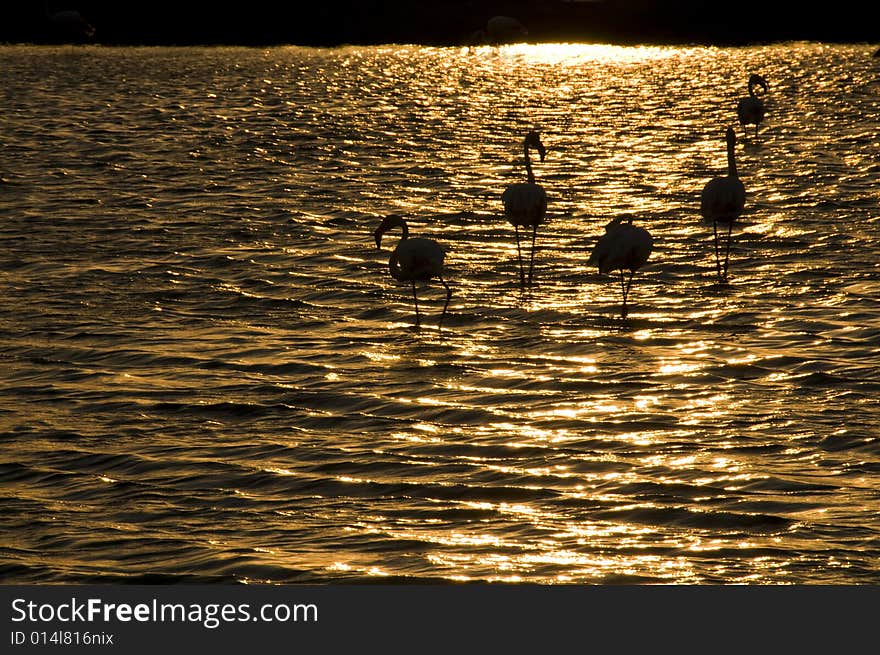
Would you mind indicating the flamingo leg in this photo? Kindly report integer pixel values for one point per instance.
(522, 272)
(448, 298)
(416, 301)
(629, 283)
(717, 254)
(532, 258)
(624, 289)
(727, 251)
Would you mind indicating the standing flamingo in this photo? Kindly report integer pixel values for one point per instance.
(623, 247)
(751, 110)
(525, 203)
(414, 260)
(722, 201)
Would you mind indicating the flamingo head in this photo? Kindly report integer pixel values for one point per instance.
(730, 137)
(758, 80)
(613, 223)
(390, 221)
(533, 140)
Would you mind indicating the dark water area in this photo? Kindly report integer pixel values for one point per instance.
(209, 375)
(444, 22)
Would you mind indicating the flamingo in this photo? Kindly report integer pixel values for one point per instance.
(414, 260)
(69, 21)
(525, 203)
(504, 29)
(623, 247)
(722, 201)
(497, 31)
(751, 110)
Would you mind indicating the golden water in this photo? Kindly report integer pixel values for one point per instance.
(210, 375)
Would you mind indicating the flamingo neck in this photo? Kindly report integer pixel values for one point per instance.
(389, 222)
(529, 174)
(731, 159)
(754, 84)
(397, 221)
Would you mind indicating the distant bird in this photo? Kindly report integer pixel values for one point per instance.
(525, 203)
(750, 110)
(414, 260)
(722, 201)
(504, 29)
(68, 22)
(623, 247)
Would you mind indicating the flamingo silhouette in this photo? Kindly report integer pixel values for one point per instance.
(497, 31)
(751, 109)
(69, 21)
(414, 260)
(623, 247)
(504, 29)
(525, 203)
(722, 201)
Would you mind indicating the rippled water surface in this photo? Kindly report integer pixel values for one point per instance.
(208, 373)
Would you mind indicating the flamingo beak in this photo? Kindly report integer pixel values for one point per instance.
(378, 236)
(541, 150)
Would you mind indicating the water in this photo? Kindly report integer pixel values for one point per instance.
(209, 374)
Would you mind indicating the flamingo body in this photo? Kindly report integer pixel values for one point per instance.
(525, 204)
(723, 199)
(416, 259)
(624, 246)
(750, 111)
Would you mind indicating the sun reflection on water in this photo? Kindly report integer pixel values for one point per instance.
(568, 55)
